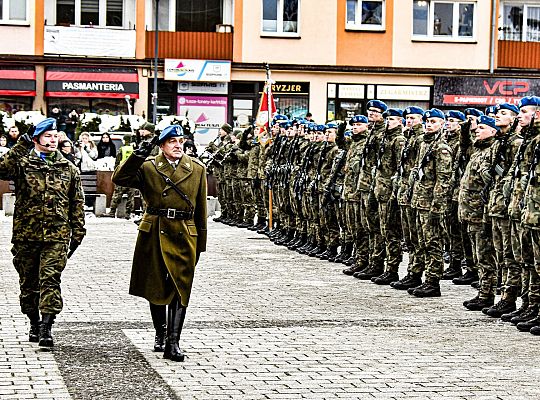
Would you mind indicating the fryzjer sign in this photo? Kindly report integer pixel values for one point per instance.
(459, 91)
(197, 70)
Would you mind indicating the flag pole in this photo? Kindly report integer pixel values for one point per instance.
(269, 106)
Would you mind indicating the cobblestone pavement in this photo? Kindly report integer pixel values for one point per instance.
(263, 323)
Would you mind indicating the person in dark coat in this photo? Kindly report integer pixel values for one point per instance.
(106, 147)
(172, 231)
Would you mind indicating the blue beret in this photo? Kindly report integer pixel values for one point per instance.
(279, 118)
(393, 112)
(490, 110)
(413, 110)
(169, 132)
(48, 124)
(433, 113)
(331, 125)
(377, 104)
(312, 126)
(358, 119)
(507, 106)
(456, 114)
(285, 124)
(348, 133)
(320, 128)
(473, 111)
(529, 101)
(485, 120)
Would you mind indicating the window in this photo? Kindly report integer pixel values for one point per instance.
(90, 12)
(280, 17)
(443, 20)
(513, 25)
(13, 11)
(198, 15)
(365, 15)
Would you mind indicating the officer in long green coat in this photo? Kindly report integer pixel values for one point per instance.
(172, 232)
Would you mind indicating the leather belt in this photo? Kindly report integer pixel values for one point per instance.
(171, 213)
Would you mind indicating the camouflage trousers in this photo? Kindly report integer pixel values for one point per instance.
(238, 199)
(522, 251)
(410, 235)
(39, 265)
(248, 203)
(430, 245)
(370, 221)
(356, 231)
(484, 254)
(534, 284)
(313, 216)
(504, 256)
(391, 232)
(119, 192)
(258, 193)
(456, 233)
(225, 197)
(300, 223)
(344, 236)
(328, 223)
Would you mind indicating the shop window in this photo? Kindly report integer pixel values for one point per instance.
(90, 12)
(443, 20)
(293, 107)
(13, 12)
(365, 15)
(280, 17)
(519, 22)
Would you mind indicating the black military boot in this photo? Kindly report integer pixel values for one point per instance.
(530, 313)
(159, 319)
(519, 311)
(345, 253)
(410, 281)
(33, 334)
(301, 241)
(263, 229)
(302, 249)
(294, 239)
(176, 314)
(316, 250)
(286, 238)
(331, 253)
(358, 267)
(322, 251)
(386, 278)
(453, 271)
(350, 261)
(526, 326)
(368, 273)
(477, 304)
(245, 224)
(428, 289)
(502, 307)
(45, 334)
(466, 279)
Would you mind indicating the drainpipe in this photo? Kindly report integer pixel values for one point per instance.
(493, 36)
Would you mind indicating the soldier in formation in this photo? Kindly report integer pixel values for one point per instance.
(465, 184)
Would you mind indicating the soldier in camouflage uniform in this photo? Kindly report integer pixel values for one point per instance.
(389, 154)
(47, 223)
(265, 158)
(218, 151)
(368, 203)
(123, 153)
(414, 134)
(257, 194)
(430, 181)
(472, 211)
(506, 147)
(247, 207)
(352, 199)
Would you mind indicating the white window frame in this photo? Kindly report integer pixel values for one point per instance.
(358, 26)
(430, 37)
(5, 13)
(102, 15)
(526, 5)
(280, 33)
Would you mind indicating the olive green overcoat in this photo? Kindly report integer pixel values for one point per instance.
(167, 250)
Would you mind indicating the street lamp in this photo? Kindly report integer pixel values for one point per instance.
(156, 43)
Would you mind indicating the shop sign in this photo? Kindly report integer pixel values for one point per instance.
(390, 92)
(197, 70)
(203, 87)
(208, 112)
(459, 91)
(293, 88)
(351, 91)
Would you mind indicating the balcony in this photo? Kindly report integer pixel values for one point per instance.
(197, 45)
(516, 54)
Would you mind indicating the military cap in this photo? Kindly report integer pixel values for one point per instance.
(320, 128)
(490, 110)
(348, 133)
(285, 124)
(48, 124)
(331, 125)
(489, 121)
(413, 110)
(148, 126)
(456, 114)
(380, 105)
(507, 106)
(393, 112)
(170, 132)
(529, 101)
(279, 118)
(473, 111)
(433, 113)
(358, 119)
(312, 126)
(227, 128)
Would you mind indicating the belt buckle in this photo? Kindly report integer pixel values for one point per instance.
(171, 213)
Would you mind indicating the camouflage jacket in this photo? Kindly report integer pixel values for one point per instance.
(253, 161)
(471, 208)
(219, 151)
(388, 157)
(531, 199)
(407, 162)
(49, 200)
(352, 168)
(432, 187)
(369, 156)
(329, 155)
(265, 156)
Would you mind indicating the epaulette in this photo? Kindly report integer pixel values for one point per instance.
(197, 161)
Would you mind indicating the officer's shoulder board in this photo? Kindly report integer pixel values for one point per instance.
(197, 161)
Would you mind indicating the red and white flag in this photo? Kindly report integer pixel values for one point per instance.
(267, 103)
